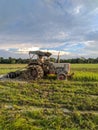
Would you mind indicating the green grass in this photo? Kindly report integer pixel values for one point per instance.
(85, 76)
(5, 68)
(85, 67)
(85, 72)
(50, 104)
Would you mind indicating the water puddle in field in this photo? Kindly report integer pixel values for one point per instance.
(81, 112)
(65, 110)
(88, 112)
(3, 79)
(94, 96)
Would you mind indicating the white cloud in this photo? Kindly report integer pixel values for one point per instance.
(26, 50)
(77, 9)
(94, 12)
(55, 52)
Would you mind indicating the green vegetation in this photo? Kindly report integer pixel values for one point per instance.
(5, 68)
(50, 104)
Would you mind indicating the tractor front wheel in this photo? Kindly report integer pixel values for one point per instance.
(61, 76)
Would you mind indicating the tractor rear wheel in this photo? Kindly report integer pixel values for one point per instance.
(36, 72)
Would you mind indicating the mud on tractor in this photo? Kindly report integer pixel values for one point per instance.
(41, 66)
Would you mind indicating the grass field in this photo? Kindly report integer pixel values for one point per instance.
(50, 104)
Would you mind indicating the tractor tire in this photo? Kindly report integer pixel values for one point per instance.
(61, 76)
(36, 72)
(11, 75)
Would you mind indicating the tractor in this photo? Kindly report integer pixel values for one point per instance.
(40, 66)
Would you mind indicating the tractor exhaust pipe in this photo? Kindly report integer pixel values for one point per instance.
(58, 58)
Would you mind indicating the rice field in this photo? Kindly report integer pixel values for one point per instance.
(50, 104)
(5, 68)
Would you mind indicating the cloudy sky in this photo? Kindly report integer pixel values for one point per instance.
(68, 26)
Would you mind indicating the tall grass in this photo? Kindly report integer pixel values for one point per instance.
(85, 76)
(6, 68)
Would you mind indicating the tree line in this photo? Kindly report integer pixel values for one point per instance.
(81, 60)
(11, 60)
